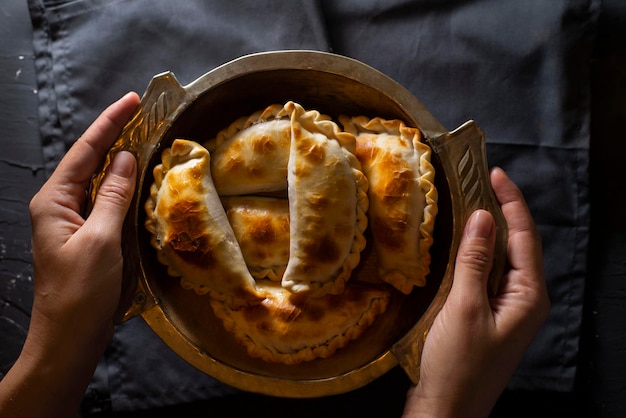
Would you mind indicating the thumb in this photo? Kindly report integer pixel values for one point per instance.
(475, 255)
(116, 191)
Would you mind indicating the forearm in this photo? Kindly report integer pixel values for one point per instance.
(51, 381)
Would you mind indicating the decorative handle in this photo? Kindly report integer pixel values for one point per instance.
(463, 157)
(159, 106)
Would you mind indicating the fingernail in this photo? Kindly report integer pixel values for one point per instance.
(479, 225)
(123, 164)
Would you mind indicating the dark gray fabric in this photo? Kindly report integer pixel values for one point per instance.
(520, 69)
(21, 175)
(90, 51)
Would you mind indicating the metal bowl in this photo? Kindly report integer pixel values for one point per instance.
(333, 85)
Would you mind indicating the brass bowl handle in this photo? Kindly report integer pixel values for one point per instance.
(463, 157)
(160, 104)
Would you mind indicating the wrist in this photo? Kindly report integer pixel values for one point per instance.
(421, 405)
(46, 382)
(68, 344)
(466, 401)
(51, 374)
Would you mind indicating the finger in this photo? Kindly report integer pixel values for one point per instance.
(524, 239)
(475, 255)
(523, 287)
(524, 283)
(115, 194)
(81, 161)
(511, 200)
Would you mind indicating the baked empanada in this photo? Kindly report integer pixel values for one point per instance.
(251, 155)
(327, 204)
(190, 229)
(402, 195)
(291, 328)
(261, 225)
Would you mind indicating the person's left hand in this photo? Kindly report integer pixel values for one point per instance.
(77, 261)
(77, 273)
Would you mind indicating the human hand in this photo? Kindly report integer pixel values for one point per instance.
(77, 273)
(77, 261)
(477, 341)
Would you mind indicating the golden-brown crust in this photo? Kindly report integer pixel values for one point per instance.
(189, 226)
(251, 154)
(328, 203)
(290, 328)
(403, 197)
(261, 225)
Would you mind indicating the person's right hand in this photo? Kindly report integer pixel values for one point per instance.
(477, 341)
